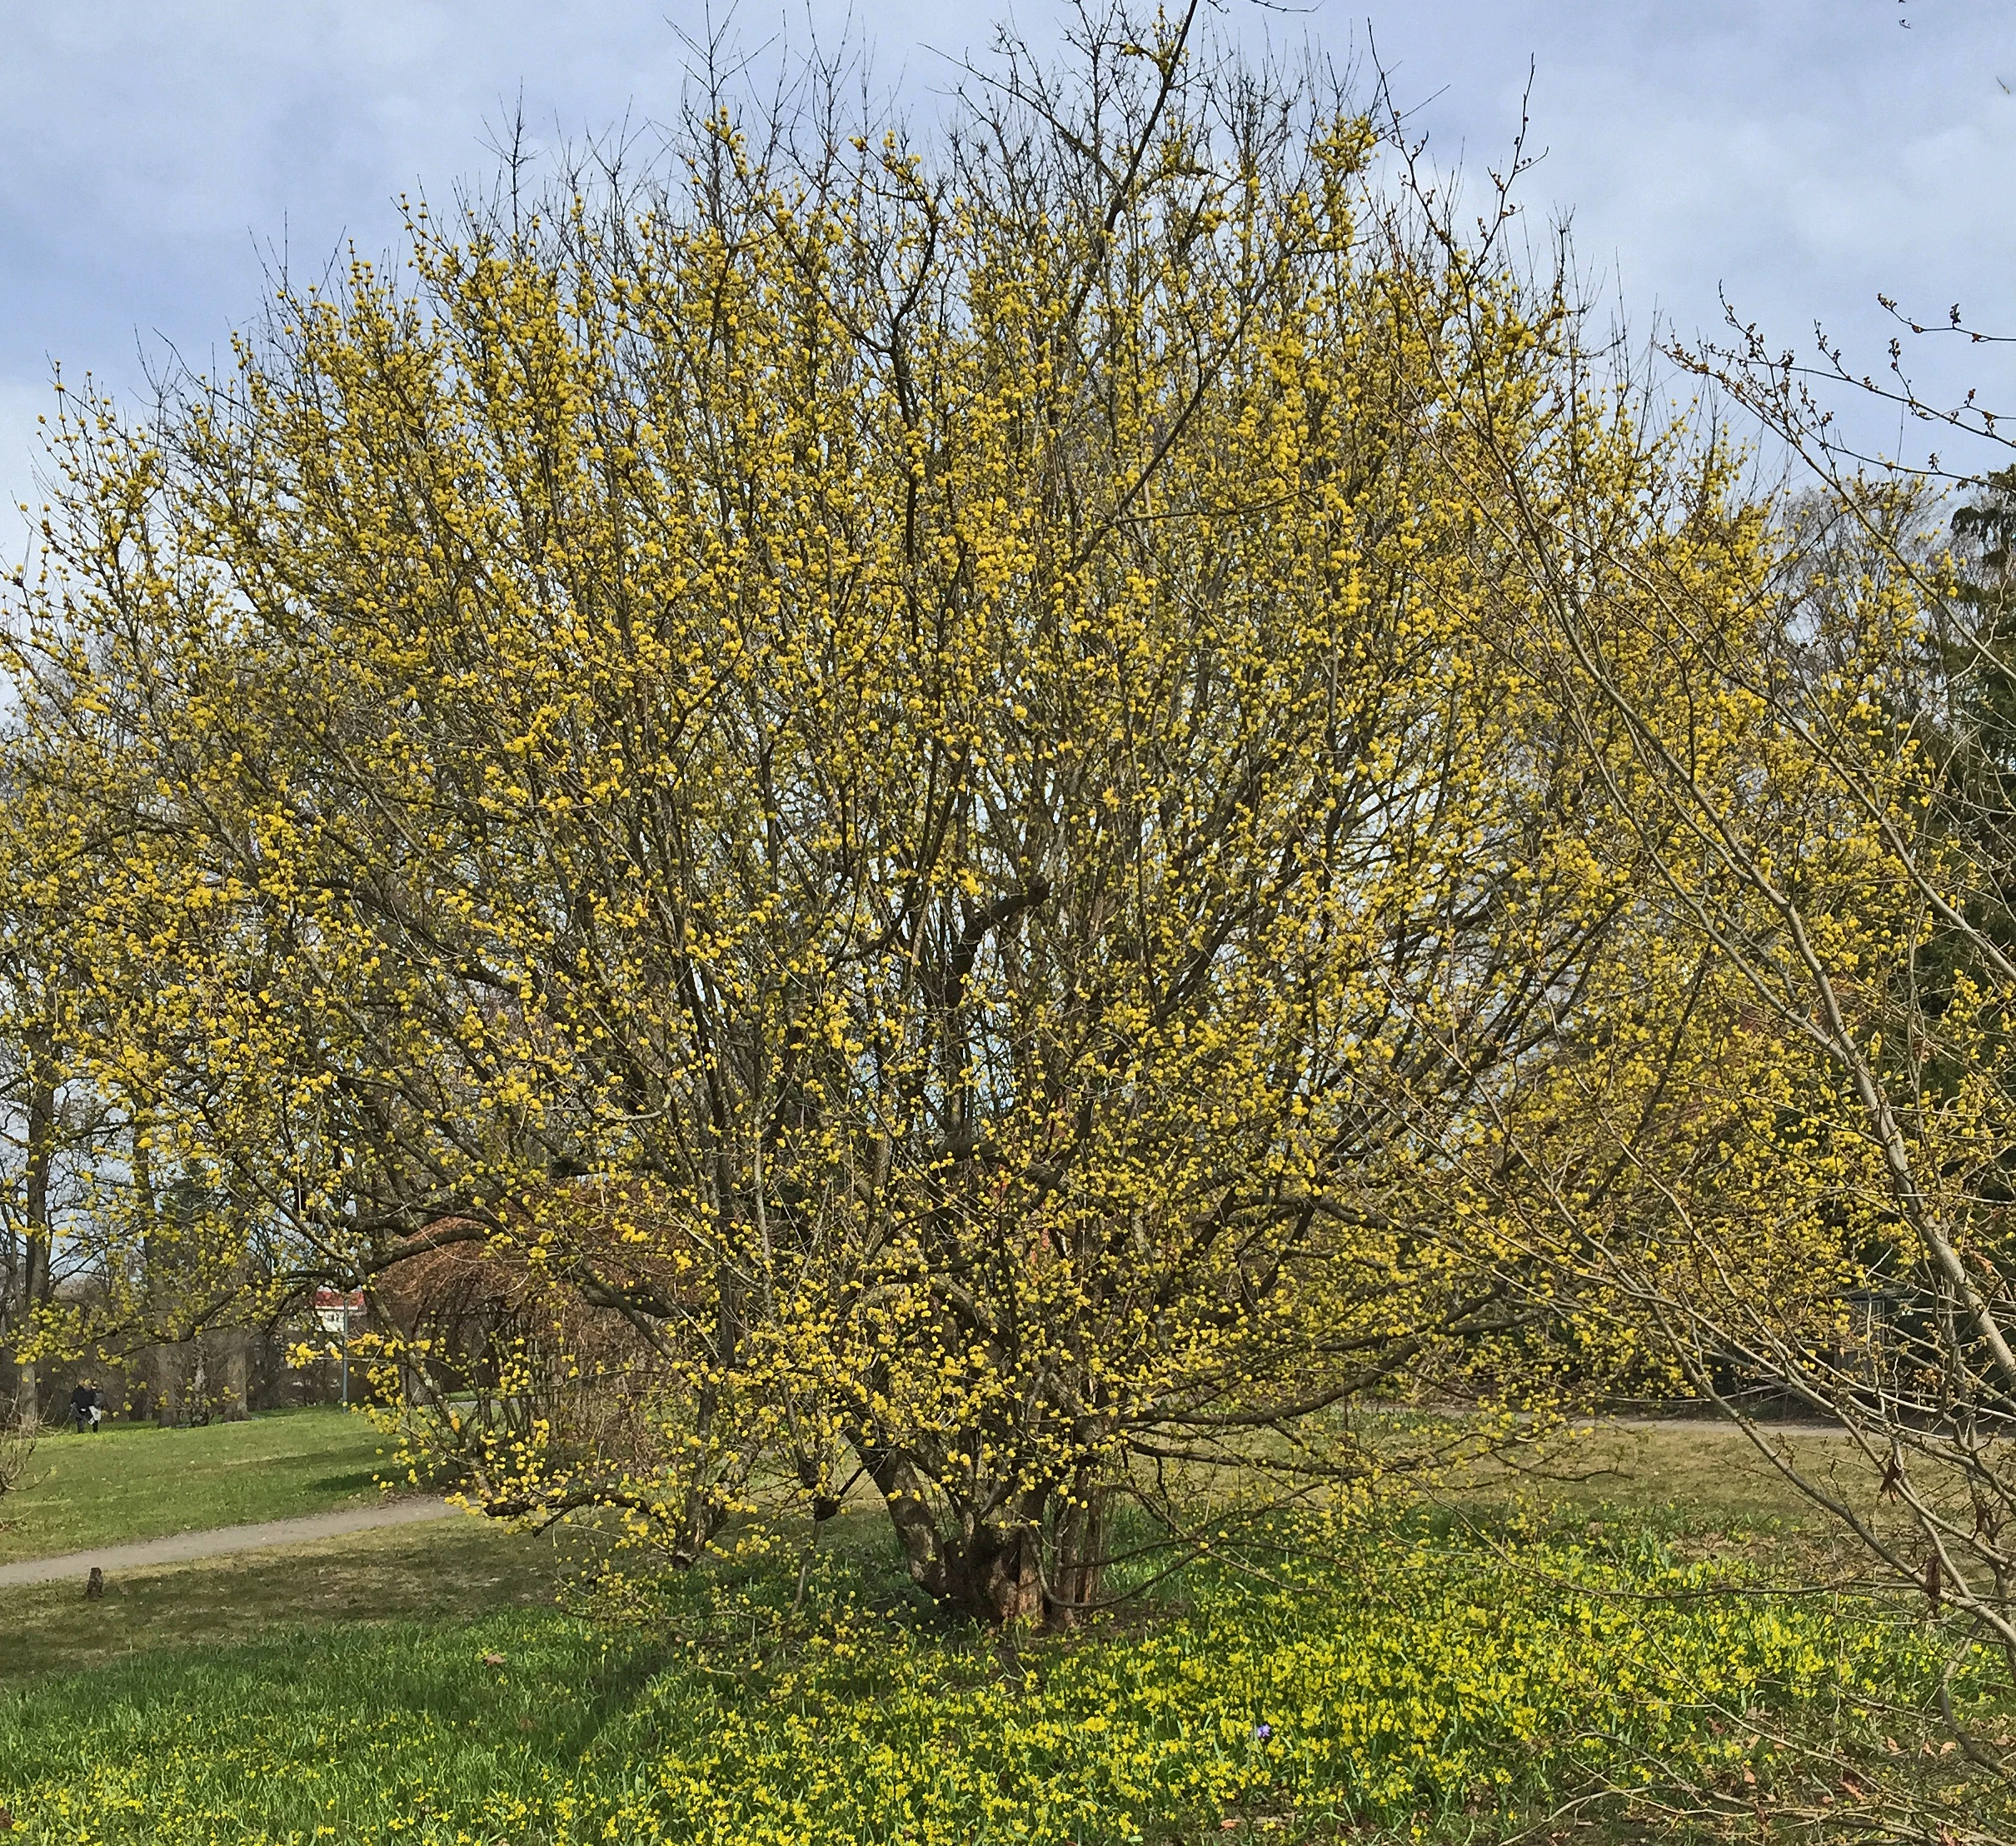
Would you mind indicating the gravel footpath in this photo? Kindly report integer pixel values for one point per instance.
(188, 1547)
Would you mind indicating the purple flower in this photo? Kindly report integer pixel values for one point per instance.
(1261, 1733)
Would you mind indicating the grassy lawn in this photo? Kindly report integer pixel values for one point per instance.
(135, 1481)
(1566, 1644)
(441, 1574)
(1687, 1475)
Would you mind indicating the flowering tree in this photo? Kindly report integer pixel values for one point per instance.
(904, 792)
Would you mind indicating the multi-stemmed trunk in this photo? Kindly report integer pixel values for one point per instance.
(1078, 1550)
(998, 1558)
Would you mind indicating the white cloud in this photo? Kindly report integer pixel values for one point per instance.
(1800, 153)
(20, 403)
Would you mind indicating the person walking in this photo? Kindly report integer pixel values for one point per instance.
(86, 1406)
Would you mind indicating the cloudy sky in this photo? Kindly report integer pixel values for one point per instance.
(1798, 155)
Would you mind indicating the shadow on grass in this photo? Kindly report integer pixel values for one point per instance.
(447, 1572)
(349, 1483)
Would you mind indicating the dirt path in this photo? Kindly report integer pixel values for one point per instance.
(185, 1547)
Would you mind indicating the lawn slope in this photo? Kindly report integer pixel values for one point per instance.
(135, 1481)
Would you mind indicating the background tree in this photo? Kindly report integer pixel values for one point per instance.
(50, 1122)
(1848, 874)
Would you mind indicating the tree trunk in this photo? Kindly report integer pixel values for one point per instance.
(28, 1398)
(702, 1514)
(40, 1155)
(988, 1570)
(166, 1367)
(995, 1576)
(234, 1368)
(1079, 1553)
(164, 1362)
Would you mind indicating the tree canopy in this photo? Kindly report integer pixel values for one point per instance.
(1013, 817)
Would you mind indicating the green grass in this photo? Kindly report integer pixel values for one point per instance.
(1410, 1685)
(1575, 1643)
(135, 1481)
(440, 1573)
(1697, 1481)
